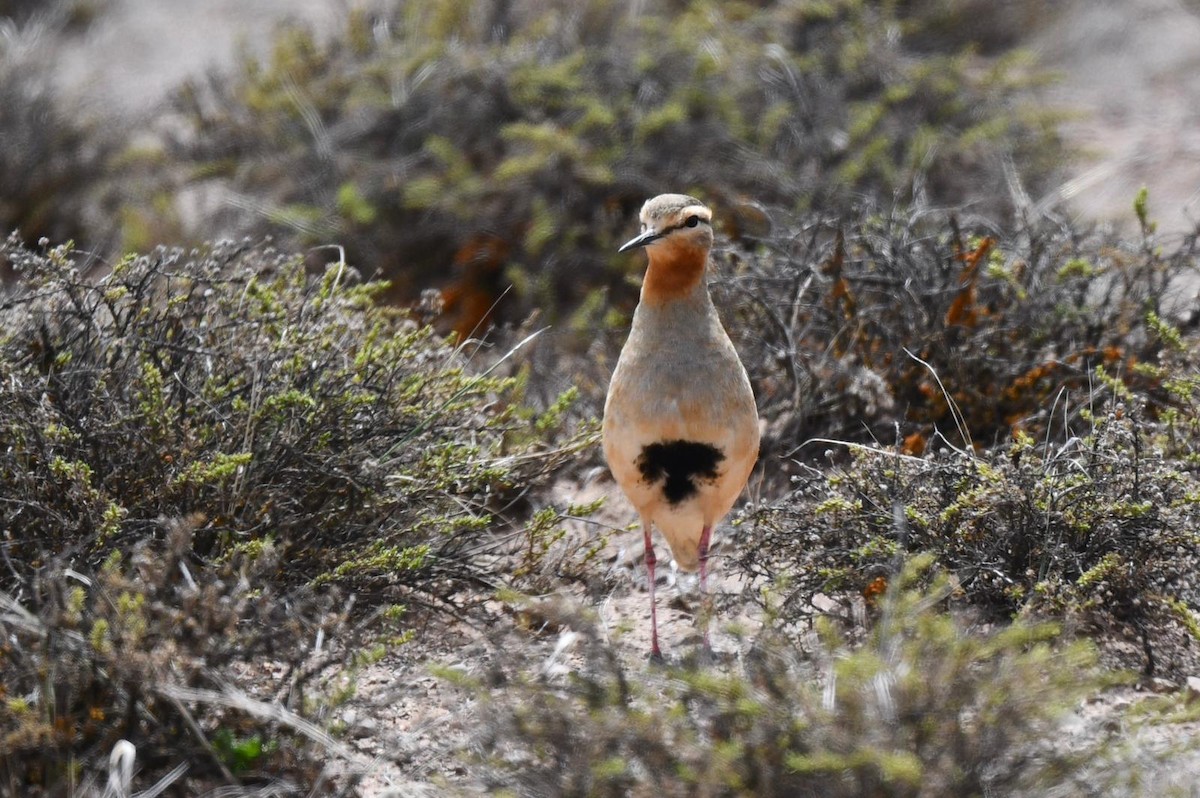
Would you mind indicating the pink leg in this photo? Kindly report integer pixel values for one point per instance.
(705, 537)
(655, 652)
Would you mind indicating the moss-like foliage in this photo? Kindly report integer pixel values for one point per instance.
(514, 141)
(921, 707)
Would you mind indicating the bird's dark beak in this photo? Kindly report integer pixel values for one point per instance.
(642, 240)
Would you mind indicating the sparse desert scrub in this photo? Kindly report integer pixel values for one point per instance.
(1098, 529)
(206, 674)
(1029, 414)
(200, 452)
(292, 412)
(923, 705)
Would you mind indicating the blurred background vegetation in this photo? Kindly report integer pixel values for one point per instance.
(365, 402)
(479, 145)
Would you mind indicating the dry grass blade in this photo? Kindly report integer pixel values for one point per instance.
(960, 423)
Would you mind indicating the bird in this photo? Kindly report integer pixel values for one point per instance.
(680, 430)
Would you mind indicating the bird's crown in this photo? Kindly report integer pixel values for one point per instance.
(677, 214)
(670, 210)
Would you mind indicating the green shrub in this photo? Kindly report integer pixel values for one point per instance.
(292, 413)
(922, 707)
(1099, 529)
(313, 440)
(162, 652)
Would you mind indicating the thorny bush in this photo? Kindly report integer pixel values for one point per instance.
(313, 440)
(906, 324)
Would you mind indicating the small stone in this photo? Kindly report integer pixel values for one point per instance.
(1193, 688)
(364, 728)
(1162, 686)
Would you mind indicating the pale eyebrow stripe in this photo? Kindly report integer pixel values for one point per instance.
(683, 224)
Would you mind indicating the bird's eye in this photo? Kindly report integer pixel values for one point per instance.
(692, 221)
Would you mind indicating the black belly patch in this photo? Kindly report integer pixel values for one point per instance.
(682, 464)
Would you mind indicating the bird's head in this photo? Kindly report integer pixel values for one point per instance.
(673, 225)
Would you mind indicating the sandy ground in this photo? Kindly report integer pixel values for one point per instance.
(1130, 73)
(408, 709)
(137, 51)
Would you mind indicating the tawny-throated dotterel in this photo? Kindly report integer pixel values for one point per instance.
(680, 423)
